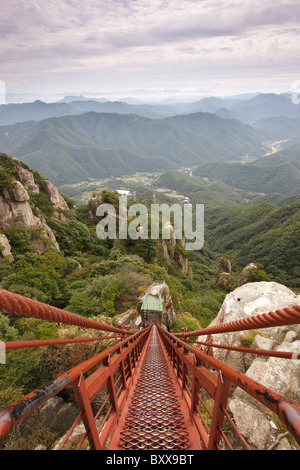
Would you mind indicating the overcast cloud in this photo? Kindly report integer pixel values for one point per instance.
(53, 46)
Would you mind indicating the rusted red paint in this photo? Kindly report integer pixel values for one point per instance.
(16, 304)
(10, 345)
(285, 316)
(16, 412)
(287, 411)
(122, 365)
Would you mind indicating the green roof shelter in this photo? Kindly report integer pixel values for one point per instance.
(151, 309)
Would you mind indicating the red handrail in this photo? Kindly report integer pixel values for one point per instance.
(113, 360)
(188, 360)
(283, 317)
(116, 367)
(16, 304)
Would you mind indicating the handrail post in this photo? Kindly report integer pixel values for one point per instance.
(84, 405)
(111, 387)
(184, 370)
(195, 388)
(222, 394)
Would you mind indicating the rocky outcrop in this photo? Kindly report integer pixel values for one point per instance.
(248, 300)
(55, 415)
(57, 200)
(17, 210)
(161, 290)
(246, 273)
(260, 432)
(174, 253)
(93, 204)
(224, 278)
(280, 375)
(225, 265)
(27, 180)
(5, 247)
(58, 414)
(19, 213)
(18, 192)
(129, 319)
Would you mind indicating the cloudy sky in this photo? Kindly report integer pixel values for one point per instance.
(215, 47)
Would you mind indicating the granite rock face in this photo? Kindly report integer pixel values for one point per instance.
(244, 302)
(5, 247)
(280, 375)
(17, 210)
(161, 291)
(20, 214)
(55, 197)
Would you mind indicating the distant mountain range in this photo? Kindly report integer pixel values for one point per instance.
(69, 149)
(278, 128)
(38, 110)
(262, 106)
(78, 138)
(249, 109)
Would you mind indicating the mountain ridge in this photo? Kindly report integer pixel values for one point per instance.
(156, 144)
(258, 177)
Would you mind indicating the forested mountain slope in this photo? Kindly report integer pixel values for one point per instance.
(73, 148)
(265, 176)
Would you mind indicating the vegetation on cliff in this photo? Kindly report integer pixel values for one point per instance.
(98, 278)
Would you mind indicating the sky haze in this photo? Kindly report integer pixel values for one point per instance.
(163, 47)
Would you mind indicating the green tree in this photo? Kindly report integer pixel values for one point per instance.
(20, 239)
(186, 320)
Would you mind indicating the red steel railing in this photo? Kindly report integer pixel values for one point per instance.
(112, 372)
(193, 369)
(282, 317)
(112, 379)
(22, 306)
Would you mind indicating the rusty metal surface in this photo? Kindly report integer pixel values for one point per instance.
(155, 419)
(248, 350)
(285, 316)
(9, 345)
(155, 387)
(287, 411)
(17, 304)
(17, 411)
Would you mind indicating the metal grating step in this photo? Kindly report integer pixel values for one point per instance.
(154, 419)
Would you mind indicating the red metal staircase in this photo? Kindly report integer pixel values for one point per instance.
(153, 384)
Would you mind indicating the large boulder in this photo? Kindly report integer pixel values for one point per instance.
(54, 195)
(246, 301)
(225, 265)
(57, 414)
(18, 192)
(27, 179)
(259, 431)
(224, 278)
(280, 375)
(5, 247)
(127, 319)
(160, 290)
